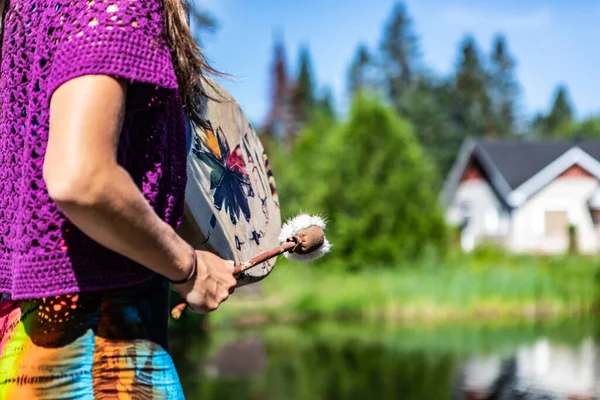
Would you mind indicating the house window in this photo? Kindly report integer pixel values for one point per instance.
(465, 212)
(596, 217)
(556, 223)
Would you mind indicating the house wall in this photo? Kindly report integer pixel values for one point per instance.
(568, 193)
(475, 198)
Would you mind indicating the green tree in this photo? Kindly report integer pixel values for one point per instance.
(415, 94)
(325, 104)
(370, 177)
(295, 167)
(304, 91)
(427, 106)
(588, 128)
(504, 88)
(559, 122)
(561, 112)
(471, 98)
(277, 125)
(400, 56)
(358, 74)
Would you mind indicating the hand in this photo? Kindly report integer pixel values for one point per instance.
(213, 284)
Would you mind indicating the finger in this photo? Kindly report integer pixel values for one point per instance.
(228, 281)
(223, 295)
(231, 283)
(215, 289)
(219, 295)
(210, 306)
(230, 269)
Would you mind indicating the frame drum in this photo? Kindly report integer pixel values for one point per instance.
(232, 208)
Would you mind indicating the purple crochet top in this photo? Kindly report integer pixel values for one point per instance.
(46, 43)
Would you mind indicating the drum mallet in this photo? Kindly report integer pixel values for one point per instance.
(303, 239)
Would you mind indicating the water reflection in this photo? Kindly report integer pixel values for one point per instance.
(558, 360)
(242, 357)
(543, 370)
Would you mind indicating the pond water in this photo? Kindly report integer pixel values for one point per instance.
(342, 360)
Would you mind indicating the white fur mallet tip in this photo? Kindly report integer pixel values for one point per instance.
(294, 226)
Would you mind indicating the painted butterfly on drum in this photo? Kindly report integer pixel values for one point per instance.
(228, 176)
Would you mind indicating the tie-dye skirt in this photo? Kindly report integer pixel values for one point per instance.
(97, 345)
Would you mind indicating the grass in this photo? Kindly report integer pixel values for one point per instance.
(483, 286)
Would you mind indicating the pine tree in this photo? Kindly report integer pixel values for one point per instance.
(559, 122)
(561, 112)
(325, 104)
(304, 96)
(504, 89)
(358, 75)
(400, 54)
(428, 108)
(471, 99)
(278, 119)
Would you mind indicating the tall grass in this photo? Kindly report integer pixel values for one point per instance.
(483, 286)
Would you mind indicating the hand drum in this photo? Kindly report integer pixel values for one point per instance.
(232, 207)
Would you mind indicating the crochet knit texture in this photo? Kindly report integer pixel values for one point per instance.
(46, 43)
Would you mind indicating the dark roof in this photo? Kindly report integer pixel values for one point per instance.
(518, 160)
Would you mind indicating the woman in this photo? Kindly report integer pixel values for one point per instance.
(93, 97)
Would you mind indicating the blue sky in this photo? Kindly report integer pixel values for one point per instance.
(554, 42)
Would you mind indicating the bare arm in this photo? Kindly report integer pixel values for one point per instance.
(84, 179)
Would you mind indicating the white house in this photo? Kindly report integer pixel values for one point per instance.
(524, 195)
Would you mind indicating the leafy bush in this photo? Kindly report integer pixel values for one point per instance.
(371, 179)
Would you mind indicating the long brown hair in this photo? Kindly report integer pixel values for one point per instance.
(188, 59)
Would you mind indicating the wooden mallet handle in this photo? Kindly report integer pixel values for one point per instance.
(304, 241)
(287, 246)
